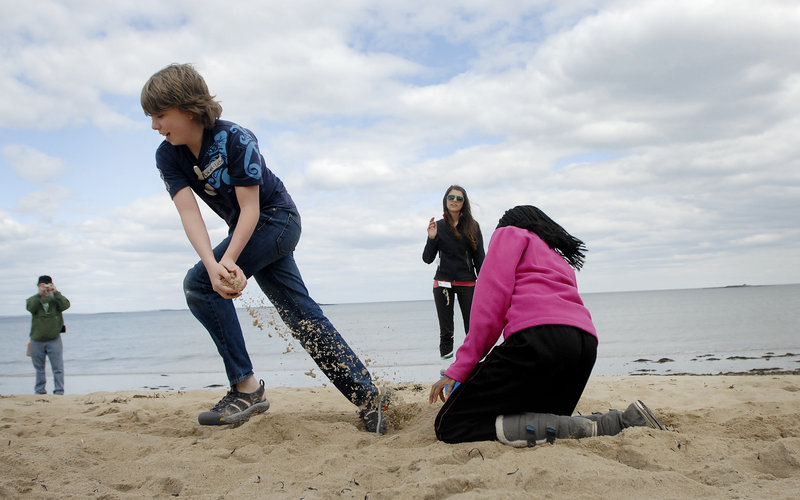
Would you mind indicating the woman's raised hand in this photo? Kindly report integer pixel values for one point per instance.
(432, 228)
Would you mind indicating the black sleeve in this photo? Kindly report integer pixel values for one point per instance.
(479, 254)
(431, 249)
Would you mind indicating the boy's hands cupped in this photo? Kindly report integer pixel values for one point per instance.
(228, 280)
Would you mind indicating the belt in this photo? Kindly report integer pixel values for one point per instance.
(448, 284)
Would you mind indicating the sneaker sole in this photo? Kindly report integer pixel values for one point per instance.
(214, 418)
(649, 415)
(386, 399)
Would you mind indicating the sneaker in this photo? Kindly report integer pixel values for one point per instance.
(235, 408)
(372, 414)
(648, 415)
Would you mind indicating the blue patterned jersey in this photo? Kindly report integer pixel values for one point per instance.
(229, 157)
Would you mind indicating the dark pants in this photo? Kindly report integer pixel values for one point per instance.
(445, 299)
(269, 258)
(543, 369)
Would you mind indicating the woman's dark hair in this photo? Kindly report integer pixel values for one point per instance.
(468, 225)
(534, 220)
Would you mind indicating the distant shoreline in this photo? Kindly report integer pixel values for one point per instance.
(331, 304)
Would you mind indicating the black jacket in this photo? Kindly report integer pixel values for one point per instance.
(457, 261)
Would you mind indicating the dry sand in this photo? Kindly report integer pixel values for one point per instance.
(729, 437)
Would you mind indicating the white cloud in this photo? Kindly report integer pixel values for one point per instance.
(10, 230)
(681, 118)
(32, 165)
(46, 203)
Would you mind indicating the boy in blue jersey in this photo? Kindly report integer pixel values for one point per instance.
(219, 162)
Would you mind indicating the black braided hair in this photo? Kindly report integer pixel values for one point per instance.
(534, 220)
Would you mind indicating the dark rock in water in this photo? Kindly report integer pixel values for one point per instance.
(645, 360)
(761, 371)
(740, 357)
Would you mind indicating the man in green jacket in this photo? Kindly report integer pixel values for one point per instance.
(47, 325)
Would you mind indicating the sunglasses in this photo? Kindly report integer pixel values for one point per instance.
(455, 197)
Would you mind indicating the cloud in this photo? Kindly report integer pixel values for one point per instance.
(661, 133)
(32, 165)
(46, 203)
(11, 230)
(131, 259)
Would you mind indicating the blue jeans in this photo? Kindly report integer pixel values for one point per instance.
(268, 257)
(53, 349)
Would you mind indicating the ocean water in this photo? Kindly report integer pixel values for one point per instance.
(698, 331)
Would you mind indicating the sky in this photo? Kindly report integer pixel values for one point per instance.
(662, 134)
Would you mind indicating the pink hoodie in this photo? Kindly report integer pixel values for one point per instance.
(522, 283)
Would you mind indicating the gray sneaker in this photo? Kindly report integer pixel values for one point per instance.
(372, 415)
(650, 419)
(235, 407)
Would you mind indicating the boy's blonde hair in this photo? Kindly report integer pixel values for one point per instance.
(180, 86)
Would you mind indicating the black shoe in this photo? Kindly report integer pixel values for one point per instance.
(235, 408)
(372, 414)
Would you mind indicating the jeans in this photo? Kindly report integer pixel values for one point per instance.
(445, 299)
(268, 257)
(53, 349)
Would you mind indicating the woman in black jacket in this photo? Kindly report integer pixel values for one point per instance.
(458, 241)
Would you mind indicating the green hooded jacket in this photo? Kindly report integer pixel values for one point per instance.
(47, 321)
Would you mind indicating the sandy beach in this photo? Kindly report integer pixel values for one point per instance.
(729, 436)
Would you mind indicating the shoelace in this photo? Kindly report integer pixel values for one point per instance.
(226, 400)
